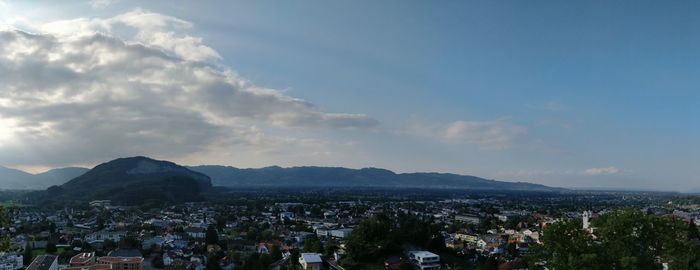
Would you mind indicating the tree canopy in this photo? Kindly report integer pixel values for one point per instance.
(625, 239)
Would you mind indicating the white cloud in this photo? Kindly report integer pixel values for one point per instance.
(152, 29)
(497, 134)
(100, 4)
(532, 174)
(69, 96)
(602, 171)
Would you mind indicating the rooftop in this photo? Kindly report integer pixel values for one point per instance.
(311, 257)
(42, 262)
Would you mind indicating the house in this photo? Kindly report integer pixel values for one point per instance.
(468, 219)
(453, 243)
(100, 203)
(466, 237)
(122, 263)
(341, 233)
(44, 262)
(322, 232)
(339, 254)
(311, 261)
(11, 261)
(286, 215)
(261, 248)
(103, 235)
(82, 260)
(196, 232)
(157, 241)
(424, 260)
(117, 260)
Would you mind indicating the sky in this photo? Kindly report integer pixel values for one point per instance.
(583, 94)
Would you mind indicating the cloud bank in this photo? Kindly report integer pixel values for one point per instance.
(77, 92)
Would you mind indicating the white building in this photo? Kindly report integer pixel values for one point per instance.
(587, 219)
(11, 261)
(103, 235)
(425, 260)
(310, 261)
(341, 233)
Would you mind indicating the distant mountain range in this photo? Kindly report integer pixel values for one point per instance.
(344, 177)
(16, 179)
(141, 178)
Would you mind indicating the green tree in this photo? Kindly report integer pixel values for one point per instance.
(213, 263)
(275, 253)
(313, 245)
(51, 248)
(5, 240)
(212, 236)
(626, 239)
(27, 256)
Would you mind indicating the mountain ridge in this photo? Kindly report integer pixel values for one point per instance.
(228, 176)
(20, 180)
(132, 181)
(232, 177)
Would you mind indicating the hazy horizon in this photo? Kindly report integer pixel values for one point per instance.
(565, 94)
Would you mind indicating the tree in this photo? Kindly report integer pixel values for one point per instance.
(275, 253)
(212, 236)
(213, 263)
(108, 244)
(313, 245)
(5, 240)
(294, 259)
(51, 248)
(157, 261)
(628, 239)
(27, 254)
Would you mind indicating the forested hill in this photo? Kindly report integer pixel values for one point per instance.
(345, 177)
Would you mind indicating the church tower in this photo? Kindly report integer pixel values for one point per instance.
(586, 219)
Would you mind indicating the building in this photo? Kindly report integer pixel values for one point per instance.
(87, 261)
(341, 233)
(470, 238)
(44, 262)
(82, 260)
(587, 219)
(103, 235)
(286, 215)
(310, 261)
(468, 219)
(425, 260)
(11, 261)
(100, 203)
(196, 232)
(122, 263)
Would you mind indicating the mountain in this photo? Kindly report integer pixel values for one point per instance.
(344, 177)
(16, 179)
(134, 180)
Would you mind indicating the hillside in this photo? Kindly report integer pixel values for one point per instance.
(19, 180)
(134, 180)
(344, 177)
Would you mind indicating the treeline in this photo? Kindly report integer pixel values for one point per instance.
(382, 236)
(625, 239)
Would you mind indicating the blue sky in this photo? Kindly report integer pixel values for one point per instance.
(564, 93)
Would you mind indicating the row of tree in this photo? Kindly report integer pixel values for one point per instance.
(625, 239)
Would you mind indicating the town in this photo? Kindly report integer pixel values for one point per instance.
(268, 229)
